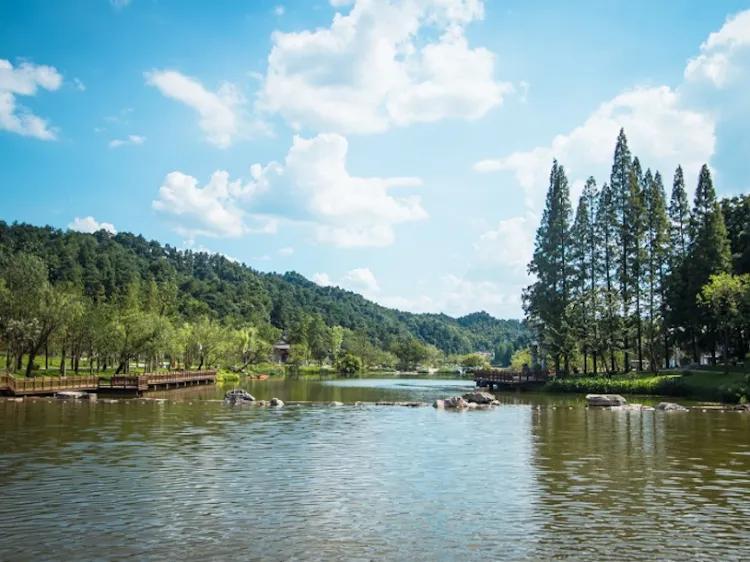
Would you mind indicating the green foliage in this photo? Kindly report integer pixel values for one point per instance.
(349, 364)
(520, 358)
(619, 288)
(613, 385)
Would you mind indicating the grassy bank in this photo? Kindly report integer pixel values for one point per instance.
(698, 385)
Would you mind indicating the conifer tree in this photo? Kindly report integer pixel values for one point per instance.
(606, 227)
(622, 169)
(547, 300)
(708, 252)
(657, 239)
(677, 309)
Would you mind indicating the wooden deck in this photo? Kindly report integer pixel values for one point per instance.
(508, 379)
(40, 386)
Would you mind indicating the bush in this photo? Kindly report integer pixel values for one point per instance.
(349, 364)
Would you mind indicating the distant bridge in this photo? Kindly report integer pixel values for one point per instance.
(40, 386)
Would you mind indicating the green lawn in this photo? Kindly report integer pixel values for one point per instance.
(700, 385)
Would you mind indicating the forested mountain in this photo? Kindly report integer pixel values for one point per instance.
(104, 268)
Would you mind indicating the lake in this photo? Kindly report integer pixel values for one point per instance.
(538, 477)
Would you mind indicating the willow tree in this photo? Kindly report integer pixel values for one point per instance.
(547, 300)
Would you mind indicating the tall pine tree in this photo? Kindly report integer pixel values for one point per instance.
(546, 301)
(708, 252)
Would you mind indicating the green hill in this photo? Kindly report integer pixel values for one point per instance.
(103, 265)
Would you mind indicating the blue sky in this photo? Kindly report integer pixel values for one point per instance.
(399, 149)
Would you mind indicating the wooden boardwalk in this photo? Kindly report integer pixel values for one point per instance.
(509, 379)
(40, 386)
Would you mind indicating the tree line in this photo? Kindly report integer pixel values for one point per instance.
(101, 302)
(634, 280)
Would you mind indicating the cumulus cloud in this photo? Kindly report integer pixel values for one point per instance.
(322, 279)
(724, 56)
(129, 140)
(25, 80)
(661, 131)
(219, 111)
(210, 210)
(509, 244)
(383, 64)
(312, 187)
(457, 295)
(89, 224)
(359, 280)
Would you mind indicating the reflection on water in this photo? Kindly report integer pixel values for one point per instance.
(536, 478)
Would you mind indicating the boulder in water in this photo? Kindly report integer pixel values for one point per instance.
(452, 403)
(671, 407)
(70, 394)
(605, 400)
(276, 403)
(335, 403)
(479, 397)
(238, 396)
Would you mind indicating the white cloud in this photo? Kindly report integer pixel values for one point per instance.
(90, 224)
(361, 280)
(322, 279)
(130, 140)
(660, 129)
(509, 244)
(208, 211)
(79, 85)
(286, 251)
(383, 64)
(279, 10)
(724, 55)
(456, 296)
(219, 111)
(312, 187)
(25, 80)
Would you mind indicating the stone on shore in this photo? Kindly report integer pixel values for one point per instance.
(671, 407)
(276, 402)
(605, 400)
(479, 397)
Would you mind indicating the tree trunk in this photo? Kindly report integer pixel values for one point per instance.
(62, 361)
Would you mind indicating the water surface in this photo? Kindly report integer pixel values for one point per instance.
(536, 478)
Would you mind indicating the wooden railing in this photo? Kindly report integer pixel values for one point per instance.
(47, 385)
(510, 377)
(50, 385)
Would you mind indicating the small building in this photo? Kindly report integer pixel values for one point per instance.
(281, 351)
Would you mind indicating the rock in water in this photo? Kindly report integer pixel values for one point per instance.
(335, 403)
(238, 395)
(74, 394)
(479, 397)
(439, 404)
(671, 407)
(605, 400)
(276, 402)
